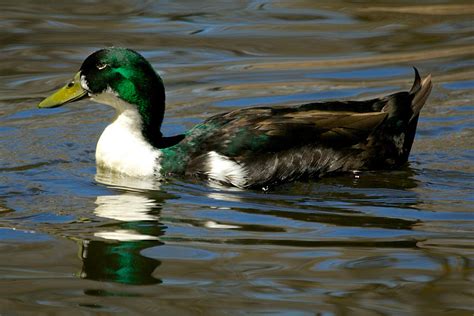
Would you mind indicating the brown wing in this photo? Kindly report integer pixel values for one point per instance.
(260, 130)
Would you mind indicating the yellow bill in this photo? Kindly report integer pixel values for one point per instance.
(69, 93)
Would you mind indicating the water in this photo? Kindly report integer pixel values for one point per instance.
(392, 243)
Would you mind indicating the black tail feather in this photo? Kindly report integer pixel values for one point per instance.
(417, 83)
(420, 91)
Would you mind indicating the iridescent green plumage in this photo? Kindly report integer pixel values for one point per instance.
(132, 77)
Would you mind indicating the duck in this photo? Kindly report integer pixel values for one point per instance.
(244, 148)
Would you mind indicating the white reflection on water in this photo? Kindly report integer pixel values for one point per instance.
(129, 206)
(129, 183)
(126, 207)
(124, 235)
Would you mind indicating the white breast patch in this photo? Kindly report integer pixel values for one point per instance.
(122, 148)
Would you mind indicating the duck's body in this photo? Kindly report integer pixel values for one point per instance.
(252, 147)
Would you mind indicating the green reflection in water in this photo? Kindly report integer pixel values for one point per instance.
(114, 254)
(119, 262)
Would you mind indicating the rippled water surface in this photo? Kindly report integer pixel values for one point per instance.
(72, 240)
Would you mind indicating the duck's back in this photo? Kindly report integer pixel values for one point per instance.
(266, 146)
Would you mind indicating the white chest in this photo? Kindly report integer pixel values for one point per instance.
(122, 148)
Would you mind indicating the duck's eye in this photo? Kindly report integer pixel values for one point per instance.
(70, 84)
(101, 66)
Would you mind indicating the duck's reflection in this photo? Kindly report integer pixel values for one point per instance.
(114, 251)
(118, 262)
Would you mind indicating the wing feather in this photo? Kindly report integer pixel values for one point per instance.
(269, 130)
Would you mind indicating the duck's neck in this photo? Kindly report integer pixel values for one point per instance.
(123, 147)
(151, 110)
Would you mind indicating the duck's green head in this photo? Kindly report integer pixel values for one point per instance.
(113, 75)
